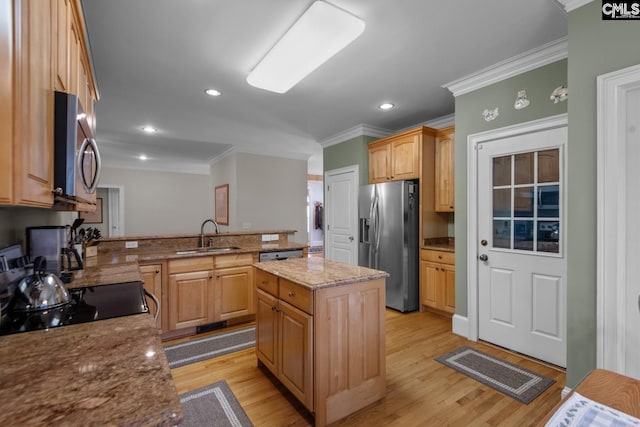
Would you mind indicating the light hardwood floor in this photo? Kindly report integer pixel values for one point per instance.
(420, 391)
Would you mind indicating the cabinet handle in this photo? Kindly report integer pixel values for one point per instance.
(292, 294)
(439, 256)
(264, 282)
(157, 271)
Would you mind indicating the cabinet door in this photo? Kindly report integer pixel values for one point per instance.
(405, 158)
(448, 274)
(62, 40)
(33, 156)
(190, 299)
(296, 352)
(234, 292)
(267, 330)
(152, 279)
(6, 101)
(445, 189)
(429, 284)
(379, 163)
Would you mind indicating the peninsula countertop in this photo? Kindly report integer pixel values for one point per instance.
(109, 372)
(316, 273)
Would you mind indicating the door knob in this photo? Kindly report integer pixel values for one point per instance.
(351, 238)
(483, 257)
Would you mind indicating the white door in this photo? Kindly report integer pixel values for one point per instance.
(618, 303)
(521, 228)
(341, 213)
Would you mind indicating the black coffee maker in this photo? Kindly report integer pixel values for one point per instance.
(53, 243)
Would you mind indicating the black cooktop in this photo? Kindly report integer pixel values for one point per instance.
(87, 305)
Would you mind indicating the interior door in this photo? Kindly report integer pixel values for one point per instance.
(522, 260)
(341, 213)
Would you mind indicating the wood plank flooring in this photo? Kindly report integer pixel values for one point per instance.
(420, 391)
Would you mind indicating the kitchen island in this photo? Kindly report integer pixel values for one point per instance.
(320, 329)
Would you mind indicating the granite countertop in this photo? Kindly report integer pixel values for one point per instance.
(221, 234)
(446, 244)
(316, 273)
(110, 372)
(105, 274)
(146, 256)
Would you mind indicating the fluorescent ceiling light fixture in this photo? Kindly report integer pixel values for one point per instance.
(321, 32)
(386, 106)
(213, 92)
(149, 129)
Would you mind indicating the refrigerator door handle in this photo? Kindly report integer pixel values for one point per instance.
(376, 230)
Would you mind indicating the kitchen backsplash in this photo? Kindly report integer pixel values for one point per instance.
(14, 220)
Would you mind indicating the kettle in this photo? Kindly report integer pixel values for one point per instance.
(40, 291)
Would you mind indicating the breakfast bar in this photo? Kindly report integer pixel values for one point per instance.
(320, 330)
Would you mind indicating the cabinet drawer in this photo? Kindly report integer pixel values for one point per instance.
(232, 260)
(185, 265)
(266, 281)
(438, 256)
(296, 295)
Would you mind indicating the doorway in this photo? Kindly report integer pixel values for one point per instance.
(315, 214)
(112, 210)
(341, 214)
(517, 256)
(618, 287)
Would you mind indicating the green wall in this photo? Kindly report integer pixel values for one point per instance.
(539, 84)
(595, 47)
(351, 152)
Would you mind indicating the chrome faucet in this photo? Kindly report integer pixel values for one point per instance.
(202, 230)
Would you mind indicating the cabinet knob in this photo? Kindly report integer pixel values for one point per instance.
(157, 271)
(292, 294)
(439, 256)
(264, 282)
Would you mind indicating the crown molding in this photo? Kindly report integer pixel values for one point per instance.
(570, 5)
(270, 153)
(181, 169)
(440, 122)
(355, 132)
(527, 61)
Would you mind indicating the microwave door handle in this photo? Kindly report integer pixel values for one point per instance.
(89, 187)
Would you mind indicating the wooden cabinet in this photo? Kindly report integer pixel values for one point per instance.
(445, 188)
(191, 293)
(397, 157)
(438, 281)
(326, 345)
(36, 58)
(284, 343)
(208, 289)
(234, 286)
(152, 279)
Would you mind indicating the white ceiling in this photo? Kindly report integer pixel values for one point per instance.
(154, 58)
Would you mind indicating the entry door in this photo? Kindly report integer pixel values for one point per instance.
(521, 229)
(341, 212)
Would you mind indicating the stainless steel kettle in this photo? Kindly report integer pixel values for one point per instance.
(40, 291)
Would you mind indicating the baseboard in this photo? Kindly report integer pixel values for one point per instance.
(565, 391)
(460, 325)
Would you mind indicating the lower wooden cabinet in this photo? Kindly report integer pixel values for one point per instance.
(152, 279)
(191, 299)
(233, 292)
(438, 281)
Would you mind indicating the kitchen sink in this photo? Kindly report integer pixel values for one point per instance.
(207, 250)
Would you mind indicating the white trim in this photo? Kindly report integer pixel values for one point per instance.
(565, 391)
(611, 232)
(527, 61)
(440, 122)
(258, 152)
(570, 5)
(560, 120)
(460, 325)
(355, 169)
(354, 132)
(226, 153)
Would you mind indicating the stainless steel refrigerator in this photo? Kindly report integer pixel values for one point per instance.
(388, 238)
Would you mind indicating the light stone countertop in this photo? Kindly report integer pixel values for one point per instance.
(317, 273)
(109, 372)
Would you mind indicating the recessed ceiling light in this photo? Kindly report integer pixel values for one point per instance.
(386, 106)
(213, 92)
(142, 157)
(149, 129)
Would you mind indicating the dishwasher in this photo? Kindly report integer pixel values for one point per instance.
(280, 255)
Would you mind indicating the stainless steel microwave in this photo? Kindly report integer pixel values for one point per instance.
(76, 156)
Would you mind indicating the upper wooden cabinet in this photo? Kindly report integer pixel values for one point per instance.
(35, 60)
(397, 157)
(445, 189)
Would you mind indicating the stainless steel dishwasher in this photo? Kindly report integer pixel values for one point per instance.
(280, 255)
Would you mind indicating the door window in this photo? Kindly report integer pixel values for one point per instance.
(526, 202)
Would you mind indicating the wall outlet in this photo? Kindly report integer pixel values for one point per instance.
(266, 237)
(131, 245)
(274, 237)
